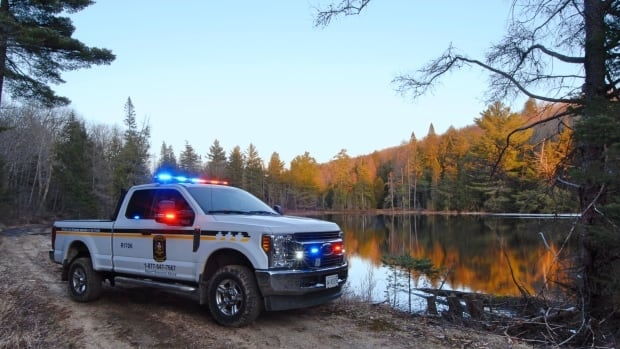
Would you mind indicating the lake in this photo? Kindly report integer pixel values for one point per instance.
(476, 253)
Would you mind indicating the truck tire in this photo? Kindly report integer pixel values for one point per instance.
(84, 283)
(234, 299)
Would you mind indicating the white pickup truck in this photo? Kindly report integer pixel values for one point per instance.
(219, 243)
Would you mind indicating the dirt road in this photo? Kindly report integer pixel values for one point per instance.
(36, 312)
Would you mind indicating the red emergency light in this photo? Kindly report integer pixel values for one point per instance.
(165, 178)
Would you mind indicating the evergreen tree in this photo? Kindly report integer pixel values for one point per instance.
(414, 171)
(432, 168)
(4, 196)
(190, 161)
(453, 150)
(167, 159)
(216, 161)
(235, 166)
(36, 46)
(74, 172)
(342, 183)
(102, 138)
(253, 174)
(362, 192)
(275, 182)
(133, 156)
(506, 162)
(383, 187)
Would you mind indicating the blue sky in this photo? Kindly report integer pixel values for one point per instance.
(259, 72)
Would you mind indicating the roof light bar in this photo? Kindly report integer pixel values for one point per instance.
(164, 178)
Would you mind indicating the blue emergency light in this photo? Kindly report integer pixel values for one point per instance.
(165, 178)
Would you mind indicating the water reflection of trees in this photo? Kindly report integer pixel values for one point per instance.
(482, 254)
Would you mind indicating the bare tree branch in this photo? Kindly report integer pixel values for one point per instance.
(563, 58)
(448, 61)
(346, 7)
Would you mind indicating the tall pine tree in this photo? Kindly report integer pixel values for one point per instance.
(132, 163)
(36, 45)
(74, 173)
(189, 161)
(254, 172)
(167, 159)
(216, 161)
(235, 166)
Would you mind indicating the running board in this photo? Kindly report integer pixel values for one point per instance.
(152, 283)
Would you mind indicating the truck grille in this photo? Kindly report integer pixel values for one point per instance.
(320, 236)
(321, 249)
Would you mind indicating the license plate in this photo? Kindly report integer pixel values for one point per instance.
(331, 281)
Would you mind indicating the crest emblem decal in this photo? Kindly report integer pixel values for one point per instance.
(159, 248)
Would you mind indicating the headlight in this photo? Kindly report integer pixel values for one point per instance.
(280, 250)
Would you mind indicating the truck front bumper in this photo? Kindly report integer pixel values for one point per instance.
(291, 289)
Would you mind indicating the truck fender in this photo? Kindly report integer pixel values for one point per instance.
(76, 249)
(218, 259)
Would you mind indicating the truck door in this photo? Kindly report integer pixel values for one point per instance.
(145, 247)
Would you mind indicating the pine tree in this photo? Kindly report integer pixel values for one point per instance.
(453, 148)
(190, 162)
(235, 166)
(132, 162)
(432, 167)
(167, 159)
(216, 161)
(274, 180)
(103, 139)
(362, 192)
(74, 172)
(507, 163)
(253, 174)
(342, 183)
(36, 46)
(414, 171)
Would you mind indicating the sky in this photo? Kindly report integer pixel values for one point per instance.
(259, 72)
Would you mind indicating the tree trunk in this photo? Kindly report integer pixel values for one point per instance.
(592, 193)
(4, 40)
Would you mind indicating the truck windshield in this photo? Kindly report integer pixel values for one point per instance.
(228, 200)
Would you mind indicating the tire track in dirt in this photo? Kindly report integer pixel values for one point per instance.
(26, 254)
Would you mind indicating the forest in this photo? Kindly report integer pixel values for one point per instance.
(55, 164)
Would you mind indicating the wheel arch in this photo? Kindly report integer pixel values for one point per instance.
(222, 257)
(76, 249)
(217, 260)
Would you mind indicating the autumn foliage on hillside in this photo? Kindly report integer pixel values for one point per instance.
(476, 168)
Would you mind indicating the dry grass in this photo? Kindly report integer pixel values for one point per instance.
(25, 320)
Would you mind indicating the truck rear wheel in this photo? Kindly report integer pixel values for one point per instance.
(234, 299)
(84, 282)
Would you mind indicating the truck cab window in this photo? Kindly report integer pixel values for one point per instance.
(173, 200)
(139, 206)
(171, 195)
(145, 203)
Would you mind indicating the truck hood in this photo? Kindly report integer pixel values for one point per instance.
(275, 224)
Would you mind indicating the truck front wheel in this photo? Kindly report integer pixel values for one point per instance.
(84, 282)
(234, 299)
